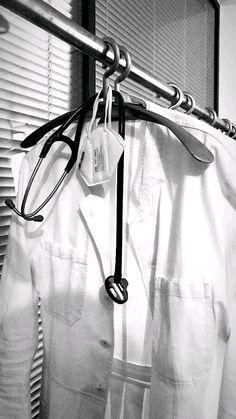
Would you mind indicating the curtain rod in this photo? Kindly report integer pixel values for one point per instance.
(54, 22)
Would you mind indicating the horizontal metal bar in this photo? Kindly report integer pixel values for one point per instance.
(49, 19)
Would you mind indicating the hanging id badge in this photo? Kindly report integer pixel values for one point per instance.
(102, 147)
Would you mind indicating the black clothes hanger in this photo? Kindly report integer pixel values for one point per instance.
(132, 112)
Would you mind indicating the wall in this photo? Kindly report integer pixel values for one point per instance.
(227, 65)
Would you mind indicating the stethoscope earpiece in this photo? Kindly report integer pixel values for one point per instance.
(10, 204)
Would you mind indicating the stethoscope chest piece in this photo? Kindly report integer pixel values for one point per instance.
(117, 289)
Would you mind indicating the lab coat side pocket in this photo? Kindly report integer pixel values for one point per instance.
(183, 331)
(64, 283)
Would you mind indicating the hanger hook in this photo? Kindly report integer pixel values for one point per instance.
(212, 115)
(115, 64)
(192, 101)
(179, 96)
(127, 69)
(229, 125)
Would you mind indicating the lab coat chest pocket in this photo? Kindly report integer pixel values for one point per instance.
(184, 331)
(63, 285)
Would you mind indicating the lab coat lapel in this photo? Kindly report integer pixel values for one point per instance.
(95, 211)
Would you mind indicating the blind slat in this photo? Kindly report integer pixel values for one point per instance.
(27, 79)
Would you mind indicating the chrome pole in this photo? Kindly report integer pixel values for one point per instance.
(54, 22)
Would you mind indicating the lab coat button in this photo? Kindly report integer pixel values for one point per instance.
(100, 388)
(105, 343)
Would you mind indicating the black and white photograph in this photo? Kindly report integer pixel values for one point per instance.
(117, 209)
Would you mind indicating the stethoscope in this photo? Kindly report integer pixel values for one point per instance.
(116, 285)
(57, 136)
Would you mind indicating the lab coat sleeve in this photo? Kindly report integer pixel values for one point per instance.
(18, 319)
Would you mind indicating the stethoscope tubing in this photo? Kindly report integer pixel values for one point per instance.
(116, 286)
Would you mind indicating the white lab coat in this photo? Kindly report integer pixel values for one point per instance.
(181, 222)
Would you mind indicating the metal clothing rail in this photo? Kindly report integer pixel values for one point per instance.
(54, 22)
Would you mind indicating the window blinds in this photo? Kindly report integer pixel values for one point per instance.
(171, 40)
(35, 86)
